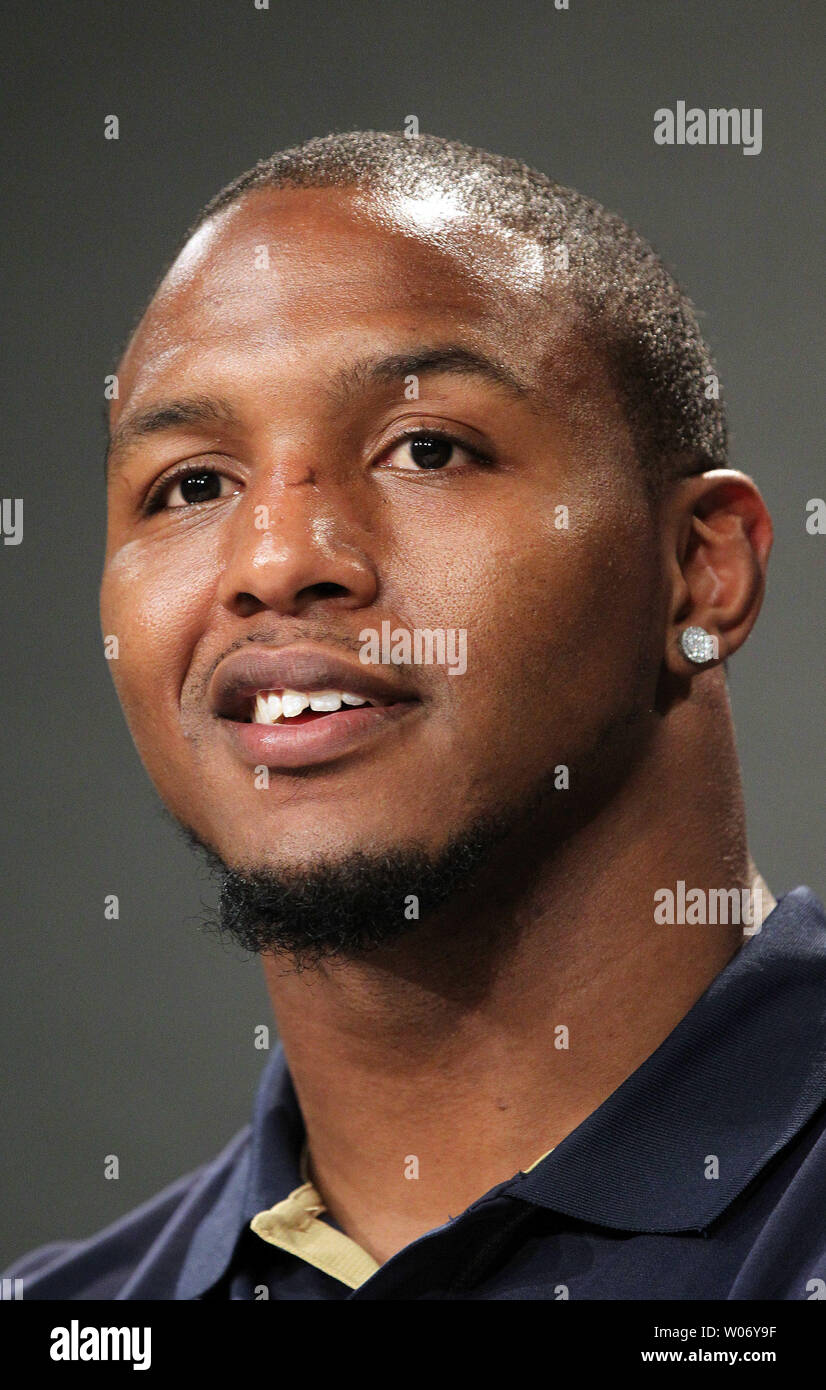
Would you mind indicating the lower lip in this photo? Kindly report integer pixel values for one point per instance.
(318, 741)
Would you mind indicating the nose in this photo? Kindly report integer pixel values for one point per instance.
(294, 542)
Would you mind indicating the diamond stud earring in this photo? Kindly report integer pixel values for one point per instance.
(698, 645)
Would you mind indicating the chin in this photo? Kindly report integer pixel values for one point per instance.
(298, 852)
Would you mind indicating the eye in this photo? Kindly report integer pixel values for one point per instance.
(427, 450)
(188, 488)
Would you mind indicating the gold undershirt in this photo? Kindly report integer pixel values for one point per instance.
(294, 1225)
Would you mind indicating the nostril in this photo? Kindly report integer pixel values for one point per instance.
(324, 590)
(246, 604)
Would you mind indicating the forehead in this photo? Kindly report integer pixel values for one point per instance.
(286, 275)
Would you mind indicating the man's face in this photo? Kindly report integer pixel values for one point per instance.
(306, 325)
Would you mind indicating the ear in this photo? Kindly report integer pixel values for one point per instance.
(719, 535)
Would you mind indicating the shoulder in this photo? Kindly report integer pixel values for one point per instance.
(161, 1228)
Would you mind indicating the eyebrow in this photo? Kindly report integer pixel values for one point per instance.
(341, 388)
(452, 357)
(169, 415)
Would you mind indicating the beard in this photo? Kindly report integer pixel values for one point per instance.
(347, 907)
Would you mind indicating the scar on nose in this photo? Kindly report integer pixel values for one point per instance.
(309, 477)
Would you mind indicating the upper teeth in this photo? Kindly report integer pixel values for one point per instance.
(270, 706)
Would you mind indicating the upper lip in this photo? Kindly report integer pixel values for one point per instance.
(239, 677)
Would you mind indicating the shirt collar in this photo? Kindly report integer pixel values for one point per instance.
(735, 1081)
(268, 1169)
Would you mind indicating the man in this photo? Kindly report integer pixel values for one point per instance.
(544, 1031)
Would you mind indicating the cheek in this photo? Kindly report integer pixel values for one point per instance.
(554, 618)
(154, 600)
(528, 579)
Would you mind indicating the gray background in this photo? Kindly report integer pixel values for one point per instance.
(135, 1037)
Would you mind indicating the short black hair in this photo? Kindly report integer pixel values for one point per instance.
(633, 309)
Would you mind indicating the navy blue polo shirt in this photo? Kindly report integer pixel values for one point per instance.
(703, 1176)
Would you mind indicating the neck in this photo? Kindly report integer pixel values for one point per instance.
(479, 1041)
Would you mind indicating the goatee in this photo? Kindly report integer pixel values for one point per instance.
(345, 908)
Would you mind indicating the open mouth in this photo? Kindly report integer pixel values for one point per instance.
(298, 706)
